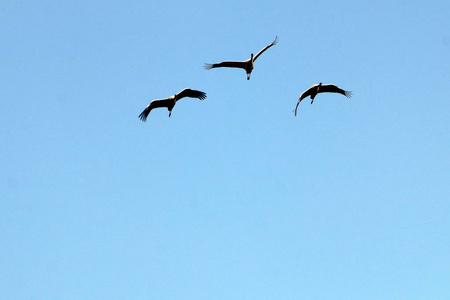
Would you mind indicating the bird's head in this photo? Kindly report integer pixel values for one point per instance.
(320, 83)
(251, 56)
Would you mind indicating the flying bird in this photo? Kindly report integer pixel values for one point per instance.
(319, 88)
(247, 65)
(170, 102)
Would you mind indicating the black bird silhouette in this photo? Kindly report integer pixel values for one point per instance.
(319, 88)
(170, 102)
(247, 65)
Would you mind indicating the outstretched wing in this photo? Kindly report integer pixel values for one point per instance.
(154, 104)
(305, 94)
(331, 88)
(191, 93)
(265, 48)
(227, 64)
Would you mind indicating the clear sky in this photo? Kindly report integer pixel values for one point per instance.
(232, 197)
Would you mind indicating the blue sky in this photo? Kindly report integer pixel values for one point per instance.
(232, 197)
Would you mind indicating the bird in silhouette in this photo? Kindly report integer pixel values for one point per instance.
(170, 102)
(247, 65)
(320, 88)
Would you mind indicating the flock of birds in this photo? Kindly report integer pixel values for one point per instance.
(247, 65)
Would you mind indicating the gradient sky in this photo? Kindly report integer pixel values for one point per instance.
(232, 197)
